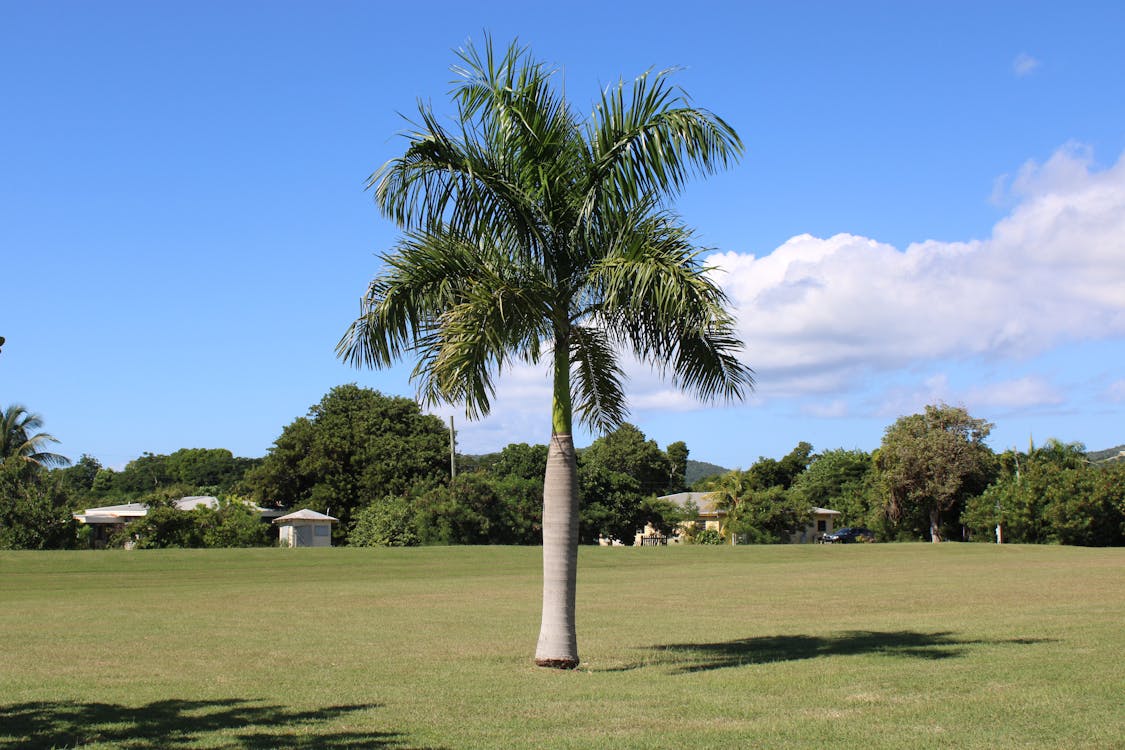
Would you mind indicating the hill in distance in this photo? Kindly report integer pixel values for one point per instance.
(1108, 456)
(697, 470)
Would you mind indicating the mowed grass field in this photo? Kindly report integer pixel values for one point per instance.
(874, 646)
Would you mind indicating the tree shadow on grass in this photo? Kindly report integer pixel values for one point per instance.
(701, 657)
(172, 724)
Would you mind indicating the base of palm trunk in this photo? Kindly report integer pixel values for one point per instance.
(557, 663)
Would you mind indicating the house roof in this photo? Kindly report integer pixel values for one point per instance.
(706, 504)
(703, 500)
(122, 513)
(112, 513)
(305, 515)
(194, 501)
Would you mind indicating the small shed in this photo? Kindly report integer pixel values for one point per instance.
(305, 528)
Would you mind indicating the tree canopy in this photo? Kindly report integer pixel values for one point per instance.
(355, 446)
(931, 463)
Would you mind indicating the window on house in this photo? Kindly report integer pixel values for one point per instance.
(822, 526)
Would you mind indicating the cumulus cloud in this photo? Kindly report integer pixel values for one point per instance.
(834, 409)
(818, 314)
(1020, 393)
(1024, 65)
(823, 317)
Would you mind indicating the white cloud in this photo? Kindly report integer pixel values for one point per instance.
(1116, 391)
(822, 318)
(1024, 64)
(819, 315)
(1020, 393)
(899, 400)
(833, 409)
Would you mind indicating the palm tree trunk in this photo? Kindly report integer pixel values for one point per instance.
(558, 639)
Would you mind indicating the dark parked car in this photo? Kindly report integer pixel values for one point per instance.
(849, 534)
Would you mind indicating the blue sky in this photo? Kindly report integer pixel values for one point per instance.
(931, 207)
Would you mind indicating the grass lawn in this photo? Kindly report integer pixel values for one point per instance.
(874, 646)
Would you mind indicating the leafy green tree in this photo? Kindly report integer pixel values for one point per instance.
(104, 482)
(768, 472)
(235, 523)
(664, 515)
(19, 437)
(34, 507)
(841, 480)
(757, 514)
(354, 447)
(78, 480)
(677, 454)
(530, 234)
(144, 474)
(389, 522)
(518, 460)
(163, 527)
(522, 499)
(1051, 495)
(626, 451)
(216, 469)
(467, 511)
(610, 503)
(769, 516)
(931, 463)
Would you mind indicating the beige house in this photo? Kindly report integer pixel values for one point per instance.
(305, 528)
(823, 522)
(709, 517)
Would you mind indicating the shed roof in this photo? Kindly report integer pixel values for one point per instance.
(306, 515)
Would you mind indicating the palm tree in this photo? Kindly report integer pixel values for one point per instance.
(727, 494)
(18, 437)
(530, 234)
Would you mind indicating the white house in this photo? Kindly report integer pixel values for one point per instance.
(108, 520)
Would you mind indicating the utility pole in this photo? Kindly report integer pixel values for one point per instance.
(452, 450)
(999, 529)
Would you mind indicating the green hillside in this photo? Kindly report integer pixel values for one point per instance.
(1108, 456)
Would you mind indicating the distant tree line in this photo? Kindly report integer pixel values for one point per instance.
(382, 467)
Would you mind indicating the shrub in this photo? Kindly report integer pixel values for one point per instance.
(388, 522)
(708, 536)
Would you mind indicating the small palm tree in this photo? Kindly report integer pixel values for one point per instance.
(18, 438)
(533, 235)
(727, 495)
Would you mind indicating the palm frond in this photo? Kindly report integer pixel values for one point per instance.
(652, 141)
(19, 438)
(461, 306)
(598, 379)
(658, 298)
